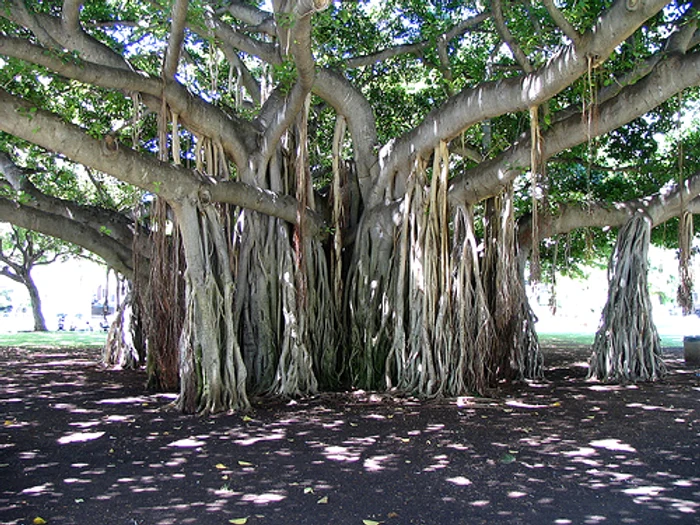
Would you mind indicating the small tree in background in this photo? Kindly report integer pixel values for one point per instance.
(23, 250)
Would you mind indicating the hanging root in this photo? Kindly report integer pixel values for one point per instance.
(515, 351)
(212, 368)
(120, 350)
(685, 237)
(627, 346)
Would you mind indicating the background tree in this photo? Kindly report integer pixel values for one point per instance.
(343, 194)
(22, 251)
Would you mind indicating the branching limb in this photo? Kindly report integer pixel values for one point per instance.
(474, 105)
(671, 76)
(171, 182)
(659, 208)
(71, 14)
(561, 21)
(114, 253)
(418, 47)
(177, 36)
(507, 36)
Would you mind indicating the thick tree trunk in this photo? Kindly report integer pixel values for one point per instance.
(515, 351)
(212, 371)
(627, 346)
(428, 314)
(35, 299)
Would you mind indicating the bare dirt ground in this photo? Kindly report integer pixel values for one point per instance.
(80, 445)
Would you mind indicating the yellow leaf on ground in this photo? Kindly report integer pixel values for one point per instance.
(247, 419)
(239, 521)
(308, 490)
(245, 464)
(39, 521)
(323, 500)
(221, 466)
(371, 522)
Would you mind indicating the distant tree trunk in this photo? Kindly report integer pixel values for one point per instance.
(39, 322)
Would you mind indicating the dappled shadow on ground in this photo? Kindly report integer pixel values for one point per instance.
(80, 445)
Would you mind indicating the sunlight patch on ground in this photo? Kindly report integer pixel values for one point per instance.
(252, 440)
(80, 437)
(122, 401)
(653, 407)
(344, 454)
(614, 445)
(186, 443)
(581, 452)
(38, 489)
(263, 499)
(644, 491)
(521, 404)
(460, 480)
(377, 463)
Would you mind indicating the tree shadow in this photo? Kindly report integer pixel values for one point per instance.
(84, 445)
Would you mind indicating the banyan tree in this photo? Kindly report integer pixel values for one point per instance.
(309, 195)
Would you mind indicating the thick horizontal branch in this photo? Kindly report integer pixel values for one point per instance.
(235, 135)
(659, 207)
(173, 183)
(492, 99)
(114, 253)
(671, 76)
(119, 227)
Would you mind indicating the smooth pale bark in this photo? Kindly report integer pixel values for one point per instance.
(670, 77)
(659, 208)
(492, 99)
(115, 254)
(35, 299)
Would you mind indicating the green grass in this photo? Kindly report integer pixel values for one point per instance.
(53, 339)
(667, 341)
(97, 339)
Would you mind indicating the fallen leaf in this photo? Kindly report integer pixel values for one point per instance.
(39, 521)
(8, 423)
(353, 424)
(371, 522)
(221, 466)
(405, 440)
(392, 515)
(507, 458)
(79, 500)
(247, 419)
(239, 521)
(245, 464)
(308, 490)
(323, 500)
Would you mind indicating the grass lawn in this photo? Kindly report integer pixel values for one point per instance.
(97, 339)
(53, 339)
(667, 341)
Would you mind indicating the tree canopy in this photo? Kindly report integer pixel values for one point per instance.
(353, 185)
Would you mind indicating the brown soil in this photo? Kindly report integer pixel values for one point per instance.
(80, 445)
